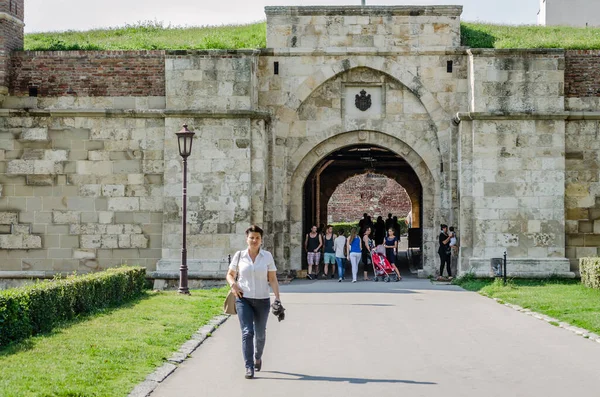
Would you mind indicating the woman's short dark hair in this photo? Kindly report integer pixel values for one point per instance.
(254, 229)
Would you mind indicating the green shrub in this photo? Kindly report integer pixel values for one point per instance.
(590, 272)
(349, 225)
(39, 307)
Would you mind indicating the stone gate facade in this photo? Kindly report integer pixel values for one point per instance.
(504, 142)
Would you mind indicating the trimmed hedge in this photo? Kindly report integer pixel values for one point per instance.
(39, 307)
(349, 225)
(590, 272)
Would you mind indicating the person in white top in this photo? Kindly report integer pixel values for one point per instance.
(339, 246)
(408, 219)
(255, 271)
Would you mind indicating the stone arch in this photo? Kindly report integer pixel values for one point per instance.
(440, 118)
(424, 140)
(303, 167)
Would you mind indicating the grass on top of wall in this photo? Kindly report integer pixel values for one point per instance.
(482, 35)
(153, 35)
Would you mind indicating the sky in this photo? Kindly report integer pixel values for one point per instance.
(59, 15)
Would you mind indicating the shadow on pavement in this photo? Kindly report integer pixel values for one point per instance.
(334, 379)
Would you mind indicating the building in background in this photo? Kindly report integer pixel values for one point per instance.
(580, 13)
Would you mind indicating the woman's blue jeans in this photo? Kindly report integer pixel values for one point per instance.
(340, 265)
(253, 315)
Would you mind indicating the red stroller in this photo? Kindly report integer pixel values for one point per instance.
(382, 268)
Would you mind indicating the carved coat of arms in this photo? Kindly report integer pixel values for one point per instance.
(363, 100)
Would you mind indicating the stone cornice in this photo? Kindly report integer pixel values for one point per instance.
(470, 116)
(498, 52)
(356, 51)
(413, 10)
(137, 113)
(213, 53)
(32, 274)
(8, 17)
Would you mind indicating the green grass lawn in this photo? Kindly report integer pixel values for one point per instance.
(480, 35)
(156, 36)
(565, 300)
(152, 36)
(108, 353)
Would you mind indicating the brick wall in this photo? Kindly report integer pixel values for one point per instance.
(89, 73)
(11, 36)
(582, 73)
(13, 7)
(376, 196)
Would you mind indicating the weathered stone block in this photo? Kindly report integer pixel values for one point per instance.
(69, 241)
(577, 213)
(114, 229)
(135, 179)
(21, 229)
(113, 190)
(132, 229)
(110, 241)
(98, 155)
(94, 167)
(8, 218)
(124, 204)
(597, 226)
(124, 241)
(139, 241)
(91, 241)
(585, 227)
(35, 134)
(40, 180)
(20, 167)
(151, 203)
(46, 167)
(32, 242)
(84, 254)
(65, 217)
(152, 166)
(106, 217)
(56, 155)
(11, 241)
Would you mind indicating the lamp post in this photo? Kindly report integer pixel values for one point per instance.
(185, 139)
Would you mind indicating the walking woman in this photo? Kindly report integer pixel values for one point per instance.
(354, 248)
(256, 270)
(391, 250)
(367, 246)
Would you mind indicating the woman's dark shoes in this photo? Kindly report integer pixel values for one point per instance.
(249, 373)
(257, 365)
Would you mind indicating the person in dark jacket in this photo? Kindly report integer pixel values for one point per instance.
(379, 231)
(444, 251)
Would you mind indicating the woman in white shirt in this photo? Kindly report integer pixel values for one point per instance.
(257, 271)
(339, 246)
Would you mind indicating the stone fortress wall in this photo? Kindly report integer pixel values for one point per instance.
(504, 142)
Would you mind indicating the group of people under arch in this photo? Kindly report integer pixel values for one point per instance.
(357, 247)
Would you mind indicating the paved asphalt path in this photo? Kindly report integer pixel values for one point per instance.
(410, 338)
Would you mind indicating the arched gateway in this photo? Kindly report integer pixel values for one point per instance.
(93, 176)
(322, 150)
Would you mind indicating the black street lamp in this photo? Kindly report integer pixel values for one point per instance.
(185, 139)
